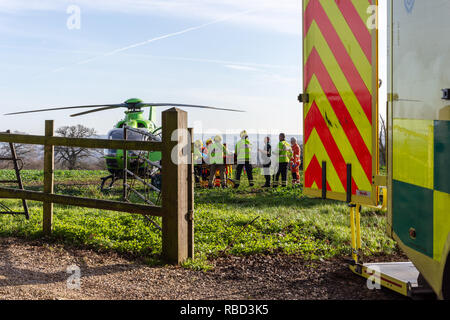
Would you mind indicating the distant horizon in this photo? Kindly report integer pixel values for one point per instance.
(249, 132)
(228, 133)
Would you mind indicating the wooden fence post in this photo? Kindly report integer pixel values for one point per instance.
(191, 195)
(49, 166)
(125, 165)
(174, 186)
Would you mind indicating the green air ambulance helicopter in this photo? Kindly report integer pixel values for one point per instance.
(137, 128)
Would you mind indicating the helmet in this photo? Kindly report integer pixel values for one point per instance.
(217, 138)
(208, 141)
(244, 134)
(198, 143)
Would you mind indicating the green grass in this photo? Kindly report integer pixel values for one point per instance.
(33, 176)
(283, 220)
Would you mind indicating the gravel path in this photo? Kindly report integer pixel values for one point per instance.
(35, 270)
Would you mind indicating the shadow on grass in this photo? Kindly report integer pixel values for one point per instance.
(10, 275)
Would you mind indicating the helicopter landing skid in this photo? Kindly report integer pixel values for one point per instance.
(104, 179)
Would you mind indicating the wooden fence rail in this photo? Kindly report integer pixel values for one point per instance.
(176, 208)
(80, 142)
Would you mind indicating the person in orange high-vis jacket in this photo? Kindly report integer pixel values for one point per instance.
(295, 162)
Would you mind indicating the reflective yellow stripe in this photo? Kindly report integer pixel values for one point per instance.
(353, 48)
(217, 153)
(362, 8)
(441, 223)
(283, 155)
(340, 81)
(322, 155)
(305, 4)
(243, 150)
(413, 156)
(197, 155)
(340, 137)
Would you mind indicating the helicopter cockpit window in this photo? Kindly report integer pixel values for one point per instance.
(117, 134)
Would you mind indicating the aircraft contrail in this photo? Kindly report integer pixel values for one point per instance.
(170, 35)
(222, 62)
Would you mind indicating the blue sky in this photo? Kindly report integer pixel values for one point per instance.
(244, 54)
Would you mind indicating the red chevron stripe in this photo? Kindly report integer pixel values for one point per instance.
(314, 65)
(315, 120)
(314, 174)
(357, 25)
(315, 11)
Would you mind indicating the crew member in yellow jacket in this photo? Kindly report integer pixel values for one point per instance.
(283, 153)
(216, 158)
(243, 151)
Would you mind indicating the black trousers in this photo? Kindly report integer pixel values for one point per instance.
(248, 167)
(282, 170)
(267, 184)
(197, 173)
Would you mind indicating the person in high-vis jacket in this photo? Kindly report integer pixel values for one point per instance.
(295, 162)
(243, 151)
(200, 156)
(208, 145)
(284, 155)
(198, 161)
(216, 157)
(266, 153)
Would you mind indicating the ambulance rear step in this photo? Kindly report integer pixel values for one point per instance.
(401, 277)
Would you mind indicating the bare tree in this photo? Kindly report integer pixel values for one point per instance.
(382, 142)
(71, 157)
(28, 153)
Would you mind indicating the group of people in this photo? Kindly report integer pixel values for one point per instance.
(289, 158)
(215, 156)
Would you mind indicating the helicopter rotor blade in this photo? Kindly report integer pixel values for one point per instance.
(96, 110)
(67, 108)
(102, 107)
(187, 106)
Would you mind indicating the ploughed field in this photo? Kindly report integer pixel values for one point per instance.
(293, 246)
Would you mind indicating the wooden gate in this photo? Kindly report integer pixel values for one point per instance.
(177, 204)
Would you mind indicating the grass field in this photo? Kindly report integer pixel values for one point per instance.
(236, 222)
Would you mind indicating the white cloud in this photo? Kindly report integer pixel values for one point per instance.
(241, 67)
(265, 77)
(257, 66)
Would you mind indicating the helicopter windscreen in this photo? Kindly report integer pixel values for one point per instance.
(117, 134)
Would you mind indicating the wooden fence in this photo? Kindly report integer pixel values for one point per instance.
(177, 201)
